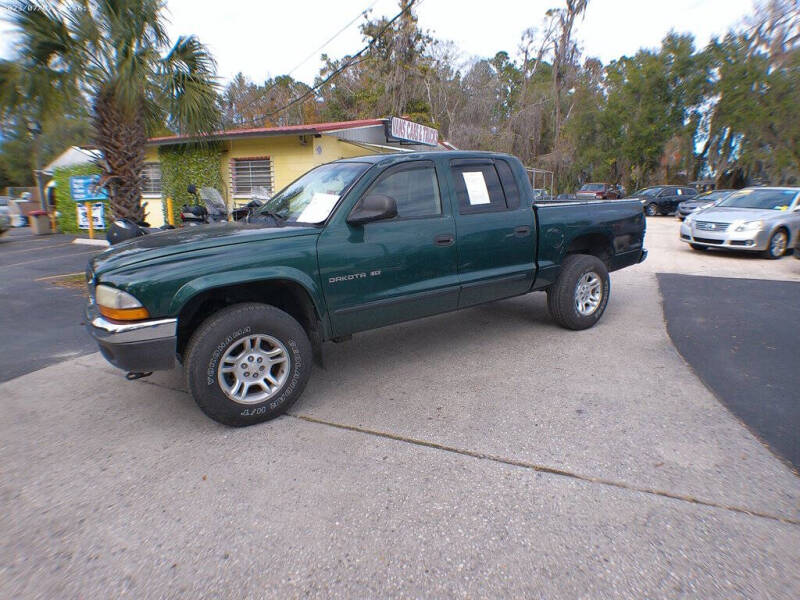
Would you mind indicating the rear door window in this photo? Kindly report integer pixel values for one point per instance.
(478, 188)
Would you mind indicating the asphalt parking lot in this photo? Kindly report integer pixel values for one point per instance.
(741, 337)
(480, 453)
(40, 322)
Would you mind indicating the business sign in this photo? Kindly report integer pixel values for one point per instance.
(408, 131)
(98, 216)
(85, 188)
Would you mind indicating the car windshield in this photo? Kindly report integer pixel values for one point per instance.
(311, 198)
(592, 187)
(710, 196)
(763, 199)
(647, 191)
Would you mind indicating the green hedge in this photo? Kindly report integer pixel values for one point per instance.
(185, 164)
(65, 205)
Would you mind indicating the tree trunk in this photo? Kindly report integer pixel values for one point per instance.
(121, 136)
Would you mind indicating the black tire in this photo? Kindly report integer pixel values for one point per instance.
(771, 252)
(698, 247)
(561, 296)
(652, 210)
(218, 334)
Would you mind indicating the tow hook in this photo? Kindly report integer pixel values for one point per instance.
(133, 375)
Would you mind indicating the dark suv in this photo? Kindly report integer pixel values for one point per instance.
(662, 199)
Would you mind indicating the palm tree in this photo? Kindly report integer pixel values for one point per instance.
(115, 54)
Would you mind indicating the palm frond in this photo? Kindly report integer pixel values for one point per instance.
(189, 87)
(44, 34)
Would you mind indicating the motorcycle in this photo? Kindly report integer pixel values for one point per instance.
(209, 207)
(125, 229)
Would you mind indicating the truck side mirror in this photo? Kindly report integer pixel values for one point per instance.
(373, 207)
(192, 189)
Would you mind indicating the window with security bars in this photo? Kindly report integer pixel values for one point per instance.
(249, 174)
(152, 178)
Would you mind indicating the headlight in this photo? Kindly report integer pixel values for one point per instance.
(749, 226)
(689, 218)
(118, 305)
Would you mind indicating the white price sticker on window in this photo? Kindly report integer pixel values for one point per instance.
(319, 208)
(476, 187)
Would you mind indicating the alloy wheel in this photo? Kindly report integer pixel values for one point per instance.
(252, 369)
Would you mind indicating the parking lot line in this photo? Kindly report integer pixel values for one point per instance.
(35, 249)
(58, 276)
(27, 262)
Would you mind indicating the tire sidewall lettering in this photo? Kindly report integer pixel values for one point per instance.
(211, 371)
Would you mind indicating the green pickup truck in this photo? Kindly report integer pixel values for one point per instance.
(351, 245)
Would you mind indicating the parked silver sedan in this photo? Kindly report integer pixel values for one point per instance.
(766, 220)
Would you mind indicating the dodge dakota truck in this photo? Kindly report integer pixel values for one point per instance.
(351, 245)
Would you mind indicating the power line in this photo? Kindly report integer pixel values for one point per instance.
(263, 94)
(353, 60)
(337, 34)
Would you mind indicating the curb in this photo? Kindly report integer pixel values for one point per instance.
(89, 242)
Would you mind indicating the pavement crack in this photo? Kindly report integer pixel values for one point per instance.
(545, 469)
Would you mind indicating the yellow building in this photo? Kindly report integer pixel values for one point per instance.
(264, 160)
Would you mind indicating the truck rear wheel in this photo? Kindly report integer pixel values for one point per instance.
(247, 363)
(579, 296)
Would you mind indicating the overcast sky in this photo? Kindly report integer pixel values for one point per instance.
(263, 38)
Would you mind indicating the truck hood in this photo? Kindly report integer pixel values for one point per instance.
(722, 214)
(189, 239)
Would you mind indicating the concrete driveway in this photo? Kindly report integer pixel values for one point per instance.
(481, 453)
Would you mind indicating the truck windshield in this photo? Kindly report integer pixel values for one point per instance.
(311, 198)
(766, 199)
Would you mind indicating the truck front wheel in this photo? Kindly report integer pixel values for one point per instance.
(579, 296)
(247, 363)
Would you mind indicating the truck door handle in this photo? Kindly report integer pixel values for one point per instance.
(444, 239)
(522, 231)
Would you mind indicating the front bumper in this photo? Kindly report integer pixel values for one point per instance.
(139, 346)
(732, 240)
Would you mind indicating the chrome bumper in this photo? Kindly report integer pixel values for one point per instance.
(732, 240)
(141, 346)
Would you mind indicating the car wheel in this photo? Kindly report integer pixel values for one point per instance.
(776, 247)
(579, 296)
(698, 247)
(651, 210)
(247, 363)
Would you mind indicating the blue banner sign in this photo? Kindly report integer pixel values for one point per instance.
(85, 188)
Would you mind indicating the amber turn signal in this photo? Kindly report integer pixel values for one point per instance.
(124, 314)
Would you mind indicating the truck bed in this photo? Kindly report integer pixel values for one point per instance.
(588, 224)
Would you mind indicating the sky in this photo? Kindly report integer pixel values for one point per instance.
(264, 38)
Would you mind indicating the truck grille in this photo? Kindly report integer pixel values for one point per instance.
(711, 226)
